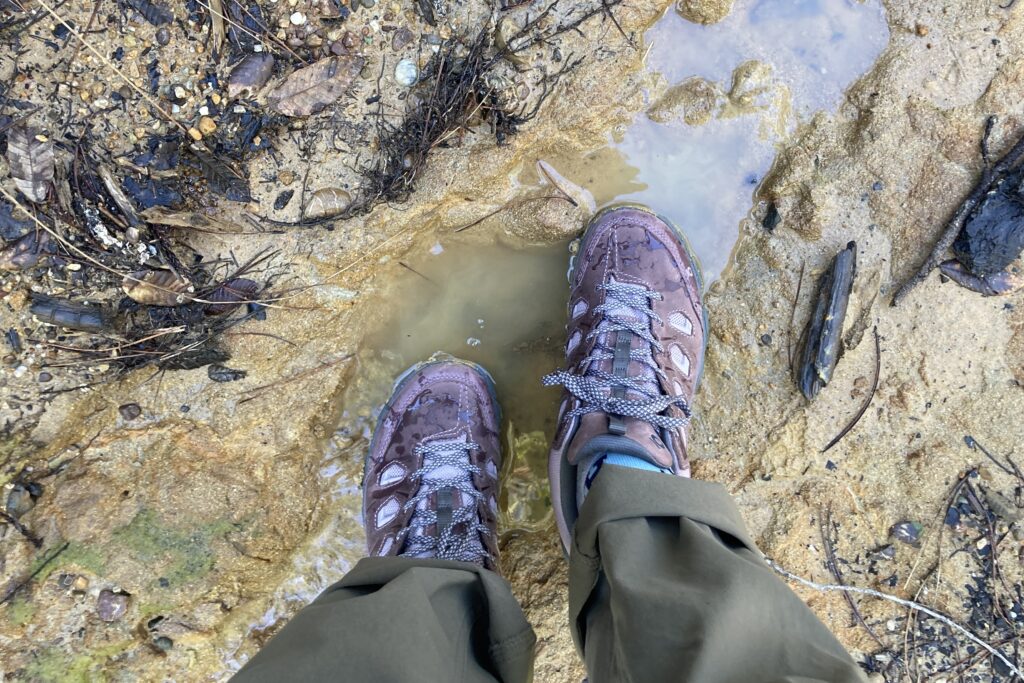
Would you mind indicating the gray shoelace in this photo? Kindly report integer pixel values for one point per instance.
(595, 388)
(447, 544)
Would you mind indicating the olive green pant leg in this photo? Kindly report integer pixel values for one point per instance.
(403, 620)
(666, 585)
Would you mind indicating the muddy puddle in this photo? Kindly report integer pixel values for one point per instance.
(722, 100)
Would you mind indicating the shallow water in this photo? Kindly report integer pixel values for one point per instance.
(805, 54)
(498, 303)
(501, 303)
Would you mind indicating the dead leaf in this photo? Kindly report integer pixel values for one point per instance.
(216, 25)
(251, 74)
(186, 219)
(156, 288)
(309, 90)
(223, 179)
(327, 202)
(230, 294)
(30, 156)
(26, 252)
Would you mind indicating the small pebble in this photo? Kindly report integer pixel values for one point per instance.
(111, 606)
(298, 18)
(907, 532)
(163, 36)
(80, 584)
(20, 371)
(206, 125)
(286, 177)
(130, 411)
(766, 340)
(406, 72)
(163, 643)
(195, 134)
(19, 501)
(45, 377)
(402, 37)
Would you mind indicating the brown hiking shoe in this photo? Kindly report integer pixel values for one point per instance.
(636, 337)
(430, 485)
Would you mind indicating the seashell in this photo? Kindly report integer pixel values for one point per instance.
(157, 288)
(327, 202)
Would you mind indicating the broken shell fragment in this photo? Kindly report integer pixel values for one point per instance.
(821, 339)
(111, 606)
(156, 288)
(251, 74)
(327, 202)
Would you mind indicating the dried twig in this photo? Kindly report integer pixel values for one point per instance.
(22, 529)
(825, 527)
(18, 585)
(256, 391)
(916, 606)
(871, 394)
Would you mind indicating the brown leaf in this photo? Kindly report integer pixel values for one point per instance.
(187, 219)
(156, 288)
(222, 178)
(31, 161)
(25, 252)
(326, 202)
(251, 74)
(230, 294)
(309, 90)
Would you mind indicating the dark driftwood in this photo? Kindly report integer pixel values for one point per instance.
(990, 174)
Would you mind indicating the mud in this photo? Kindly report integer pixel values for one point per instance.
(222, 508)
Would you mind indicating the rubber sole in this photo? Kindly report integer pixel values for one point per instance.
(690, 253)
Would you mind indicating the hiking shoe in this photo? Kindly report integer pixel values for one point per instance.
(635, 352)
(430, 485)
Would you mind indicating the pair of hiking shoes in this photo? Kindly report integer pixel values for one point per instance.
(637, 332)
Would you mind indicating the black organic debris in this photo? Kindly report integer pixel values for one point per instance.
(70, 314)
(987, 230)
(153, 12)
(822, 337)
(907, 532)
(220, 373)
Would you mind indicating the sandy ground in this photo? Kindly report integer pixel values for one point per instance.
(199, 514)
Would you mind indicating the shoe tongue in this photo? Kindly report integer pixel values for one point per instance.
(641, 440)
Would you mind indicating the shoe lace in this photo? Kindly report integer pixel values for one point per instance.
(601, 391)
(452, 456)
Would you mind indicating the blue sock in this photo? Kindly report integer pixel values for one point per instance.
(618, 459)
